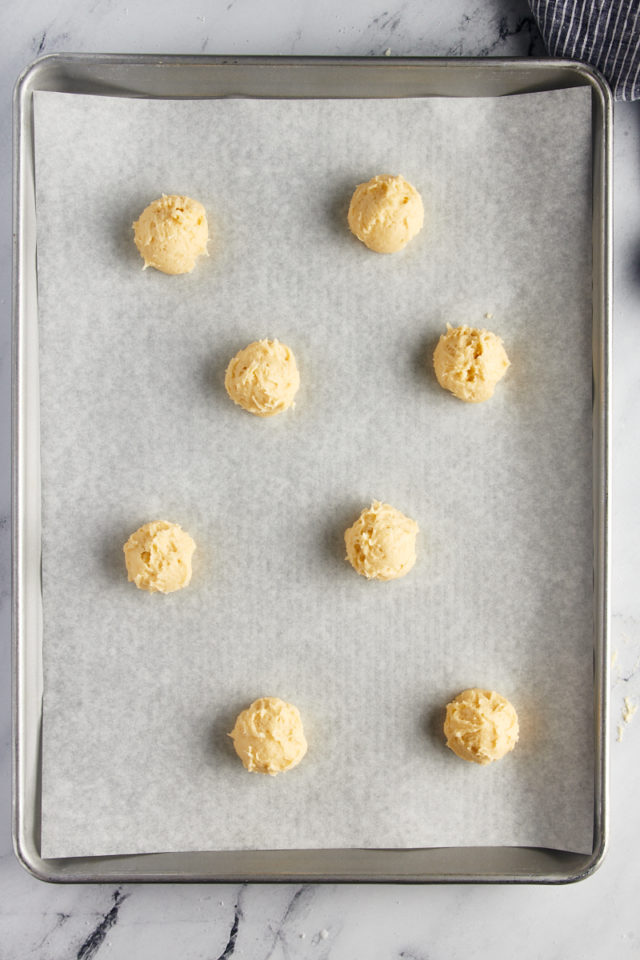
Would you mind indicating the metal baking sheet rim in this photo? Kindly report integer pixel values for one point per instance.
(175, 76)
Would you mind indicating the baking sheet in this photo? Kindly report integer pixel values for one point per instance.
(141, 690)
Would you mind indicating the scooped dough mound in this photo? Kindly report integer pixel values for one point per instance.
(470, 362)
(386, 213)
(481, 726)
(171, 233)
(158, 557)
(263, 378)
(381, 544)
(268, 736)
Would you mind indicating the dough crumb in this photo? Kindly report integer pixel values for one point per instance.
(381, 544)
(386, 213)
(171, 233)
(470, 362)
(481, 726)
(268, 736)
(158, 557)
(263, 378)
(630, 709)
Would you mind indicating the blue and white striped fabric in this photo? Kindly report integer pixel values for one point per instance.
(604, 33)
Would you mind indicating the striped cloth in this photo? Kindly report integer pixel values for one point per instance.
(604, 33)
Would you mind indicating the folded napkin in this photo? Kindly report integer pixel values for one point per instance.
(604, 33)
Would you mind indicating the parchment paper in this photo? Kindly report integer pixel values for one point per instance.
(141, 690)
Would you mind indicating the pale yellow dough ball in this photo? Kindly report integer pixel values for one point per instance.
(381, 544)
(470, 362)
(171, 233)
(386, 213)
(263, 378)
(158, 557)
(268, 736)
(481, 726)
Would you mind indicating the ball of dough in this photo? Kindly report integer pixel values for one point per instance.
(470, 362)
(381, 544)
(386, 213)
(268, 736)
(263, 378)
(481, 726)
(171, 233)
(158, 557)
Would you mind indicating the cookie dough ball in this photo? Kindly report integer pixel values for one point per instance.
(481, 726)
(268, 736)
(171, 234)
(263, 378)
(158, 557)
(469, 362)
(386, 213)
(381, 544)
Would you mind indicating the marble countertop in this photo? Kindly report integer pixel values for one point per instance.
(595, 918)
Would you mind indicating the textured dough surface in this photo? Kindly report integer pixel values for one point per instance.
(263, 378)
(158, 557)
(481, 726)
(171, 233)
(268, 736)
(381, 544)
(386, 213)
(470, 362)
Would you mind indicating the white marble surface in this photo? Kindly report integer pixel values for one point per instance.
(596, 918)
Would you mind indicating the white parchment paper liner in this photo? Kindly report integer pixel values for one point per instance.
(140, 690)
